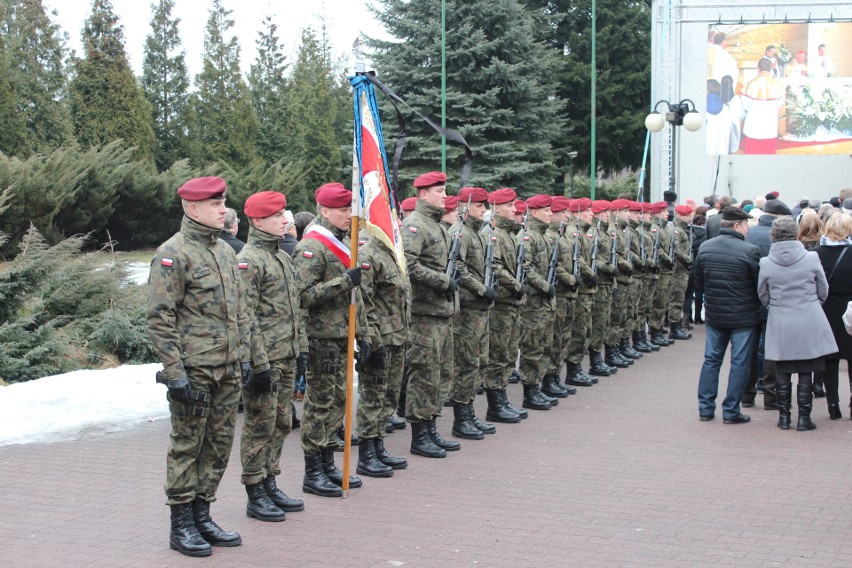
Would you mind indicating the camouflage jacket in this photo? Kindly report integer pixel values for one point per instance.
(427, 250)
(324, 288)
(271, 299)
(505, 259)
(682, 251)
(605, 269)
(617, 231)
(471, 262)
(635, 252)
(664, 260)
(197, 314)
(387, 295)
(585, 236)
(566, 282)
(537, 257)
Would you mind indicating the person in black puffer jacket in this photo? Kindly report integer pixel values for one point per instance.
(727, 269)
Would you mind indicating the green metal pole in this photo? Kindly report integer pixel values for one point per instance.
(593, 160)
(443, 83)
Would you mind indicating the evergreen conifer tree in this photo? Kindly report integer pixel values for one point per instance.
(106, 101)
(268, 84)
(501, 89)
(166, 84)
(224, 121)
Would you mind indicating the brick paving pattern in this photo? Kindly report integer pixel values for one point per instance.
(623, 474)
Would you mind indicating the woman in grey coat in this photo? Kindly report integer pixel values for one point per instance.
(792, 285)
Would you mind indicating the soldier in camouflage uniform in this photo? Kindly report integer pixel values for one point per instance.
(683, 264)
(634, 293)
(582, 217)
(603, 296)
(566, 293)
(434, 302)
(451, 215)
(325, 283)
(387, 297)
(646, 303)
(199, 325)
(470, 324)
(618, 219)
(273, 308)
(504, 325)
(662, 235)
(538, 314)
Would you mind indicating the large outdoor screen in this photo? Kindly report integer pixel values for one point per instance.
(779, 88)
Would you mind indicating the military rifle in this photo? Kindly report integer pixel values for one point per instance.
(595, 248)
(613, 249)
(642, 252)
(520, 273)
(576, 254)
(490, 278)
(452, 270)
(554, 256)
(672, 246)
(656, 256)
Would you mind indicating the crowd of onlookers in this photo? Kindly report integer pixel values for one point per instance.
(774, 283)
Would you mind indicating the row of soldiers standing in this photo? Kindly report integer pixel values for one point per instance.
(563, 280)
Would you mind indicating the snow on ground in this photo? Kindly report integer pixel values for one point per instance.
(137, 272)
(81, 403)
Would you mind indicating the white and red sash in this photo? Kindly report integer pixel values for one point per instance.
(332, 243)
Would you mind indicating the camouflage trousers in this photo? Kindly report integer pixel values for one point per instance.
(561, 334)
(378, 392)
(619, 316)
(600, 316)
(267, 420)
(431, 341)
(470, 352)
(579, 340)
(325, 394)
(503, 335)
(662, 294)
(646, 303)
(634, 295)
(200, 446)
(536, 337)
(447, 370)
(677, 293)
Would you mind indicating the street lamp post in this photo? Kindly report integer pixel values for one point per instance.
(683, 114)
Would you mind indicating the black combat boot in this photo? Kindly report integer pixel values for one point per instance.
(784, 395)
(286, 504)
(368, 462)
(341, 435)
(184, 536)
(496, 410)
(676, 332)
(805, 396)
(523, 414)
(515, 377)
(627, 349)
(388, 427)
(334, 473)
(387, 459)
(483, 427)
(462, 424)
(575, 375)
(651, 345)
(612, 359)
(551, 387)
(208, 529)
(638, 344)
(260, 506)
(657, 337)
(597, 367)
(533, 399)
(616, 348)
(316, 481)
(422, 444)
(440, 441)
(397, 423)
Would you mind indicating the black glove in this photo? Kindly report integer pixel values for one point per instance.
(301, 365)
(519, 294)
(364, 349)
(551, 291)
(489, 294)
(591, 281)
(245, 370)
(178, 389)
(377, 357)
(354, 275)
(261, 382)
(452, 287)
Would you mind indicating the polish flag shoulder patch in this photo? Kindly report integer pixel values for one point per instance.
(308, 254)
(412, 229)
(493, 239)
(362, 243)
(165, 261)
(242, 265)
(526, 237)
(365, 266)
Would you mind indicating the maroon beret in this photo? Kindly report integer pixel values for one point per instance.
(520, 206)
(539, 201)
(647, 207)
(408, 204)
(333, 195)
(659, 206)
(619, 204)
(559, 204)
(264, 204)
(636, 206)
(199, 189)
(475, 194)
(683, 209)
(430, 179)
(581, 204)
(451, 203)
(600, 205)
(503, 195)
